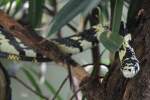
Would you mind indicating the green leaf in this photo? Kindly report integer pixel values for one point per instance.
(104, 12)
(111, 42)
(51, 88)
(48, 85)
(69, 11)
(117, 16)
(32, 80)
(4, 2)
(35, 12)
(19, 5)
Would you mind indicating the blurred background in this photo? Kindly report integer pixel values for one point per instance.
(57, 19)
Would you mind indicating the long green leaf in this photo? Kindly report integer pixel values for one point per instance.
(19, 5)
(69, 11)
(117, 16)
(109, 42)
(104, 12)
(4, 2)
(51, 88)
(32, 80)
(112, 40)
(35, 12)
(48, 85)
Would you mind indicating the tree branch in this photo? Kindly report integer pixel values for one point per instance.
(41, 45)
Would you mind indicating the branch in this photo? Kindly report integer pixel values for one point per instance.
(60, 87)
(41, 45)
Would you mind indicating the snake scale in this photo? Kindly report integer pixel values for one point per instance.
(12, 48)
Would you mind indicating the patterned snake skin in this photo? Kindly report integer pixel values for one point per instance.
(12, 48)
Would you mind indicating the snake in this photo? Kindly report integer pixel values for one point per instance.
(13, 48)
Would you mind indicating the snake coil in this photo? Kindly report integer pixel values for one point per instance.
(12, 48)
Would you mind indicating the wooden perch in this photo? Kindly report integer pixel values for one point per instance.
(41, 45)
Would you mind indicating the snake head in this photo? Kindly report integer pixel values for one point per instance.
(129, 70)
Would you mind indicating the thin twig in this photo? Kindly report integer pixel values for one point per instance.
(29, 88)
(50, 12)
(71, 79)
(60, 87)
(72, 28)
(102, 53)
(75, 93)
(81, 87)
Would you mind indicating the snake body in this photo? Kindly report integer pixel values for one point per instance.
(129, 63)
(13, 48)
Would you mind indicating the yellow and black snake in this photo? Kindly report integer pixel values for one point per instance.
(12, 48)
